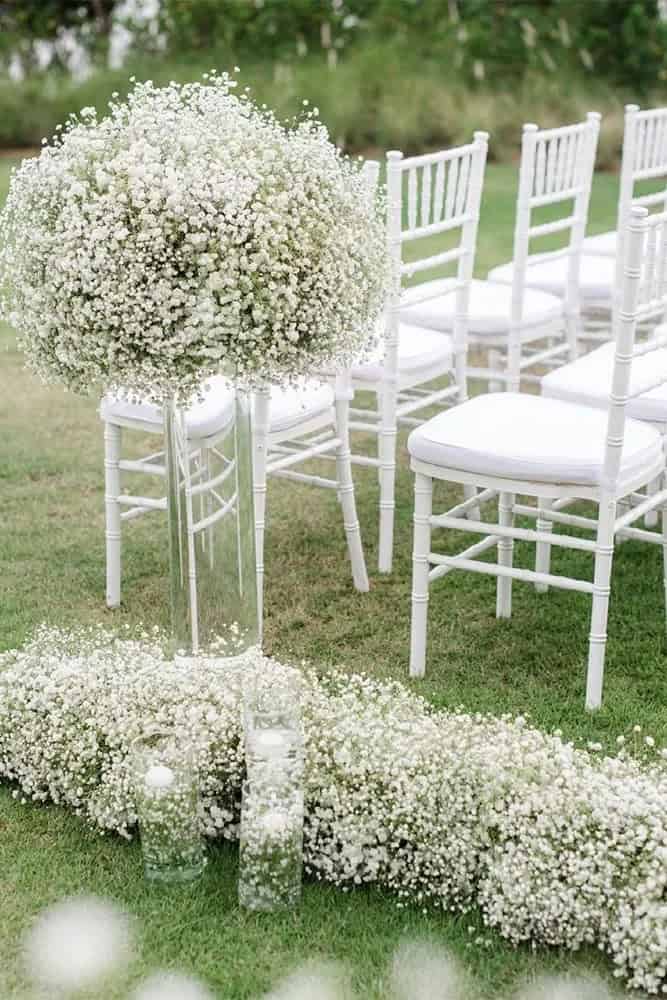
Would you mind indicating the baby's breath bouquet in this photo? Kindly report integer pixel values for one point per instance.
(186, 233)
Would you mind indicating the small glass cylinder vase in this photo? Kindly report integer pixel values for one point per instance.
(167, 804)
(272, 723)
(212, 531)
(271, 850)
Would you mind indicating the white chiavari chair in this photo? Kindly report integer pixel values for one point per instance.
(587, 379)
(548, 449)
(518, 327)
(436, 195)
(557, 175)
(644, 158)
(290, 426)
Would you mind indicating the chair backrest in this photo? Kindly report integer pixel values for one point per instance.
(556, 170)
(644, 158)
(428, 196)
(642, 298)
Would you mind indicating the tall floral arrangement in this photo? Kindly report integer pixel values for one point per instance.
(185, 233)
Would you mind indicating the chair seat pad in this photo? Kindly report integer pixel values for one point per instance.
(588, 380)
(297, 404)
(596, 276)
(489, 307)
(603, 243)
(203, 419)
(418, 349)
(524, 437)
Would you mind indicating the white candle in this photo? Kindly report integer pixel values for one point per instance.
(275, 822)
(159, 776)
(271, 742)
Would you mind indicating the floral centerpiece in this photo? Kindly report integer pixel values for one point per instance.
(189, 233)
(185, 233)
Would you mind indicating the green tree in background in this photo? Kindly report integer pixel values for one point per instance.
(24, 22)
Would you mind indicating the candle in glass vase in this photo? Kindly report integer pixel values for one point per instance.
(159, 777)
(271, 742)
(166, 794)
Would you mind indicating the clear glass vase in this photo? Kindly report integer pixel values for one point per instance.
(271, 848)
(212, 533)
(272, 723)
(166, 793)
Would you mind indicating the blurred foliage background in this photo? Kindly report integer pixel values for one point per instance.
(406, 73)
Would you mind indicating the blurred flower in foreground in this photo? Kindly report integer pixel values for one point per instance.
(566, 988)
(314, 981)
(421, 971)
(77, 943)
(171, 986)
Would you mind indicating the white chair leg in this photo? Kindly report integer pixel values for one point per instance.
(387, 455)
(346, 497)
(495, 361)
(112, 445)
(604, 551)
(420, 553)
(622, 507)
(186, 460)
(651, 519)
(543, 550)
(260, 448)
(663, 514)
(505, 556)
(473, 513)
(572, 328)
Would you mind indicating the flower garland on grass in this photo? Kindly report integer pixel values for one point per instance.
(185, 234)
(557, 845)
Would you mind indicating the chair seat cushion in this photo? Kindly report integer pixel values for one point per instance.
(603, 243)
(588, 380)
(524, 437)
(489, 307)
(596, 276)
(294, 405)
(417, 349)
(203, 419)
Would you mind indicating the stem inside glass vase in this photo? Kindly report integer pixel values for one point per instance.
(212, 531)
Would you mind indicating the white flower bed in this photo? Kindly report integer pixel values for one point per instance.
(556, 845)
(188, 233)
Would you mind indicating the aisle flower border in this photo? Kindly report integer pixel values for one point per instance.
(556, 845)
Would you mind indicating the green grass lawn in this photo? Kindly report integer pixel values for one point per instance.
(52, 568)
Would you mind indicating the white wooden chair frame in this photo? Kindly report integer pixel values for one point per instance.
(607, 526)
(644, 158)
(444, 192)
(273, 455)
(651, 309)
(556, 169)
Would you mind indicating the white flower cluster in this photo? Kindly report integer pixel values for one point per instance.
(557, 845)
(189, 233)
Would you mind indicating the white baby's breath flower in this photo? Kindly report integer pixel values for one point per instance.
(566, 988)
(188, 233)
(552, 844)
(314, 981)
(171, 986)
(421, 971)
(77, 943)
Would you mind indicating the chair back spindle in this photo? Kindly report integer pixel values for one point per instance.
(428, 196)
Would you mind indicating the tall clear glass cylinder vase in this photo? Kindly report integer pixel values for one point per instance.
(212, 533)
